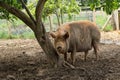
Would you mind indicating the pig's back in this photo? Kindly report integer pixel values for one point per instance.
(80, 35)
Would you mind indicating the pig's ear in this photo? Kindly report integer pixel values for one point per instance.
(66, 35)
(53, 34)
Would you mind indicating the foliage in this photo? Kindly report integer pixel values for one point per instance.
(66, 6)
(5, 14)
(31, 6)
(49, 8)
(108, 5)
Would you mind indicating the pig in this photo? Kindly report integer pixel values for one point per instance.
(76, 36)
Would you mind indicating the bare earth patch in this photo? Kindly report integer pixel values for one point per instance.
(24, 60)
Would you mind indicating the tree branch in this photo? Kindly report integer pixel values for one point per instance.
(18, 14)
(39, 9)
(28, 12)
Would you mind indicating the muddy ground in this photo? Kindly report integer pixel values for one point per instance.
(23, 59)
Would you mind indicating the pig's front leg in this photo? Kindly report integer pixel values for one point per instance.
(73, 56)
(65, 56)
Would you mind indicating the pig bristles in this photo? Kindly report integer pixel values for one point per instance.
(66, 64)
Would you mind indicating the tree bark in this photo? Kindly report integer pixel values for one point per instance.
(30, 15)
(115, 20)
(61, 16)
(50, 23)
(42, 37)
(94, 16)
(9, 30)
(57, 18)
(48, 48)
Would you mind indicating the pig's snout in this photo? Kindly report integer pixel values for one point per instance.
(59, 48)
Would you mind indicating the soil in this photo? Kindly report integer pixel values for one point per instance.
(23, 59)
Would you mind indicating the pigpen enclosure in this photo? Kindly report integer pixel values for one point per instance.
(26, 51)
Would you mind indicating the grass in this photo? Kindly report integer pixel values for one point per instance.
(27, 35)
(3, 35)
(100, 21)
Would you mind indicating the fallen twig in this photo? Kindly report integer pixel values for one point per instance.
(66, 64)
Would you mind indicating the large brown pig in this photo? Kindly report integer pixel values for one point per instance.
(77, 36)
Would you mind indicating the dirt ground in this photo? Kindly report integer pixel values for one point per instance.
(24, 60)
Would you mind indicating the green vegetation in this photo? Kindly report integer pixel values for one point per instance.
(27, 32)
(100, 21)
(16, 30)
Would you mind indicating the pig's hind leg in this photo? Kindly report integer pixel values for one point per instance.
(73, 56)
(86, 53)
(95, 46)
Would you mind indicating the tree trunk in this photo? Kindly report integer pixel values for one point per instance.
(50, 23)
(94, 16)
(47, 46)
(115, 20)
(9, 30)
(58, 19)
(119, 17)
(61, 16)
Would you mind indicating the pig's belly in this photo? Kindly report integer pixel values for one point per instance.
(80, 46)
(83, 48)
